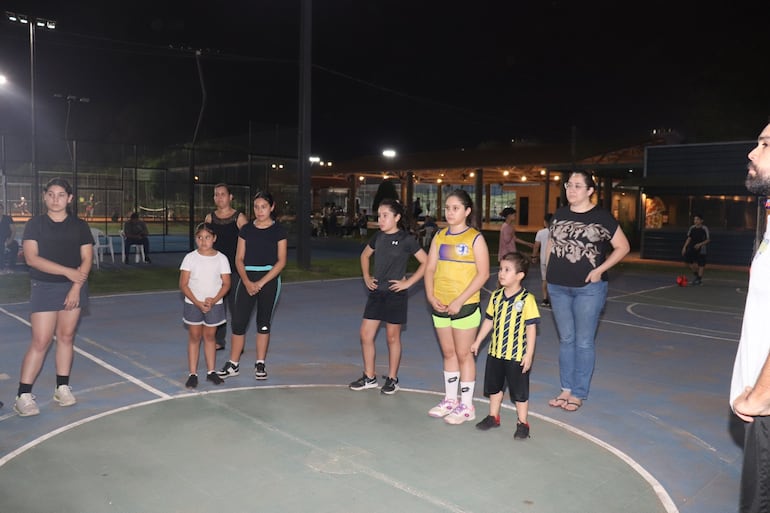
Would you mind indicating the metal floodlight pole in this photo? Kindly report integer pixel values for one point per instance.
(33, 23)
(36, 191)
(303, 172)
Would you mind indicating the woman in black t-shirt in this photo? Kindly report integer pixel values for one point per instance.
(58, 248)
(581, 237)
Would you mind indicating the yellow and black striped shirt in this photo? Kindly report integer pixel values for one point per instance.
(510, 317)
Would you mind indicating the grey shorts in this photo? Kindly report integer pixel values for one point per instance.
(48, 296)
(214, 317)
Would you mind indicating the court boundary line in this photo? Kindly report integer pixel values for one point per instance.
(657, 488)
(99, 361)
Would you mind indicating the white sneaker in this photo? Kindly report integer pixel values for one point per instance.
(443, 408)
(461, 414)
(63, 396)
(26, 406)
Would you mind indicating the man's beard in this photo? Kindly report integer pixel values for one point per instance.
(758, 184)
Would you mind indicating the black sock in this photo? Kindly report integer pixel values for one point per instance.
(24, 388)
(62, 380)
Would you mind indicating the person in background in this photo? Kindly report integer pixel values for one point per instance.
(388, 294)
(9, 248)
(90, 205)
(416, 209)
(694, 248)
(750, 385)
(508, 237)
(457, 268)
(512, 317)
(259, 259)
(538, 254)
(136, 233)
(204, 279)
(428, 230)
(226, 223)
(363, 224)
(59, 250)
(578, 261)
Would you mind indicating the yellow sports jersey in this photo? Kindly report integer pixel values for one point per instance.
(456, 265)
(510, 317)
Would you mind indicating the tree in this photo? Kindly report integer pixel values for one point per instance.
(387, 189)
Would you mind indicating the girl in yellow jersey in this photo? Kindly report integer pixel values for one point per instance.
(457, 268)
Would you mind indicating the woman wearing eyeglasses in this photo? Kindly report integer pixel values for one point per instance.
(585, 241)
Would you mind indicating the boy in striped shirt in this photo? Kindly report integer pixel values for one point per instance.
(512, 316)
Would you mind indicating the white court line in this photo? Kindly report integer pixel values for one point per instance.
(639, 292)
(667, 330)
(136, 381)
(658, 489)
(631, 306)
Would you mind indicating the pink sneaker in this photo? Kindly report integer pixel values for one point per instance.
(461, 414)
(443, 408)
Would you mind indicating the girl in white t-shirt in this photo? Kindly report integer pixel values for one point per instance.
(204, 280)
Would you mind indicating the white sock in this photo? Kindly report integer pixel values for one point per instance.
(451, 384)
(466, 391)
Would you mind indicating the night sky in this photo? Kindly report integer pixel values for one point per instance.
(413, 75)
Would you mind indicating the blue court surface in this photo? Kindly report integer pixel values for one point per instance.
(656, 434)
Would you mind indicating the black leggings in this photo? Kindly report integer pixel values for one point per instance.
(265, 301)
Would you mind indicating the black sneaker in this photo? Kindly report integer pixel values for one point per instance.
(259, 370)
(230, 369)
(697, 281)
(489, 422)
(363, 383)
(192, 381)
(545, 302)
(390, 387)
(522, 431)
(214, 378)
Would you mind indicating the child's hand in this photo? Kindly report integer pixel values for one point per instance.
(437, 305)
(475, 348)
(454, 307)
(371, 282)
(526, 363)
(397, 285)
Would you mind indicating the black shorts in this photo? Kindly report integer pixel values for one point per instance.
(388, 306)
(692, 256)
(755, 482)
(499, 371)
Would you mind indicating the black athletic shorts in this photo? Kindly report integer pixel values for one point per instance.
(388, 306)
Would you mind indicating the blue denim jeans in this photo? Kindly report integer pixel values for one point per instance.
(576, 311)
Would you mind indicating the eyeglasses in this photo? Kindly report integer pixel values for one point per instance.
(578, 186)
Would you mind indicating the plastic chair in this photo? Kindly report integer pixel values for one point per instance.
(138, 248)
(101, 242)
(427, 236)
